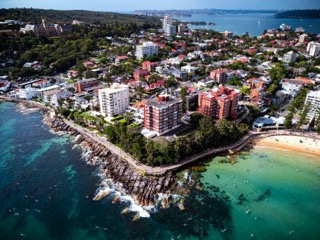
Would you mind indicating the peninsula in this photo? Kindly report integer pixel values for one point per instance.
(300, 14)
(147, 99)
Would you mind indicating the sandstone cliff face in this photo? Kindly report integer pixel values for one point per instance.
(143, 187)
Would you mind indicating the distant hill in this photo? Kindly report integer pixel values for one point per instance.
(67, 16)
(312, 13)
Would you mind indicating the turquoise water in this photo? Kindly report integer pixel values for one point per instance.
(253, 23)
(46, 192)
(274, 194)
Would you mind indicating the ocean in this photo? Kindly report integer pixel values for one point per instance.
(46, 191)
(253, 23)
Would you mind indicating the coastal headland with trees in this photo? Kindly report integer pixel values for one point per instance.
(271, 75)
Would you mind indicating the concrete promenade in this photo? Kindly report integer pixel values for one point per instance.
(161, 170)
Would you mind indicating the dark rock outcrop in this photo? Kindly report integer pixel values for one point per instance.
(143, 187)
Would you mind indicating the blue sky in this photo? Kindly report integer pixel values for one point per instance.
(129, 5)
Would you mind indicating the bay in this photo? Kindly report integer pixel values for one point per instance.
(253, 23)
(46, 192)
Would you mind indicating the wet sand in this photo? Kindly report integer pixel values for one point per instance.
(293, 143)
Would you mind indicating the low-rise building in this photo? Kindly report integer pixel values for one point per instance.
(83, 84)
(140, 73)
(147, 65)
(120, 59)
(41, 83)
(54, 98)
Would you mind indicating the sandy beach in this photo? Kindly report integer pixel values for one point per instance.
(293, 143)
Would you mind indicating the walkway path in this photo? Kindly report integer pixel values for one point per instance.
(161, 170)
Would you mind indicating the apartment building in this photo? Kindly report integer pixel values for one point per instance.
(47, 29)
(219, 75)
(218, 103)
(313, 48)
(146, 49)
(163, 115)
(114, 100)
(313, 100)
(83, 84)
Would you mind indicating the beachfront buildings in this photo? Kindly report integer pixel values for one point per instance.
(313, 103)
(162, 115)
(114, 100)
(313, 48)
(146, 49)
(218, 103)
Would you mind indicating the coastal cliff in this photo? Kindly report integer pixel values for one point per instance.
(143, 187)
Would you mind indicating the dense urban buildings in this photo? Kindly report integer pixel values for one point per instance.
(146, 49)
(114, 100)
(218, 103)
(162, 115)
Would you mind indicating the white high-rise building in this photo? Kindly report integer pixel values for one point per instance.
(313, 48)
(170, 30)
(114, 100)
(167, 26)
(146, 49)
(167, 20)
(313, 99)
(289, 57)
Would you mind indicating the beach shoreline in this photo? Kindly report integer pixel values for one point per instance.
(300, 144)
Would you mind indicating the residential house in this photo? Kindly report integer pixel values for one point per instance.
(140, 73)
(147, 65)
(120, 59)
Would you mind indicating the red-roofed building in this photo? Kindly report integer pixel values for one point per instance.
(305, 80)
(41, 83)
(182, 56)
(72, 73)
(147, 65)
(255, 83)
(219, 75)
(86, 83)
(89, 64)
(219, 103)
(140, 72)
(119, 59)
(250, 50)
(157, 84)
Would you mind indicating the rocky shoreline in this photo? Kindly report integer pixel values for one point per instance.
(142, 187)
